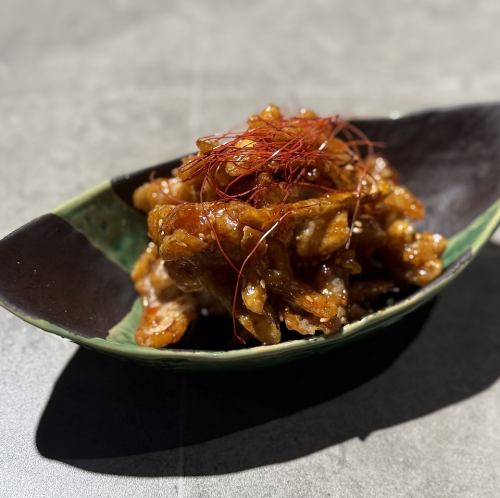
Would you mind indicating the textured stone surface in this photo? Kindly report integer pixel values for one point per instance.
(92, 89)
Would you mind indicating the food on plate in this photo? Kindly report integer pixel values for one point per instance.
(297, 223)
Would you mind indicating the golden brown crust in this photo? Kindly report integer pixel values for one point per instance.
(308, 238)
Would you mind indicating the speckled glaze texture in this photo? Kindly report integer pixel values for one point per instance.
(67, 271)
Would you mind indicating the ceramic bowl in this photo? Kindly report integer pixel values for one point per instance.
(67, 272)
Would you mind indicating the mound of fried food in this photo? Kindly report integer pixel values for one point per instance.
(295, 223)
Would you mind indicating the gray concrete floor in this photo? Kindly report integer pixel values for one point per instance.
(92, 89)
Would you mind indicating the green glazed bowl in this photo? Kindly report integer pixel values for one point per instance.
(67, 272)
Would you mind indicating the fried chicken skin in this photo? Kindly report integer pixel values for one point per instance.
(296, 223)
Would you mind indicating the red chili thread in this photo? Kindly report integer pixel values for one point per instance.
(285, 148)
